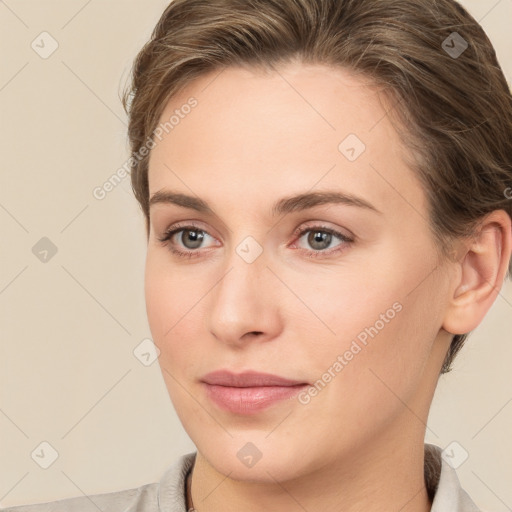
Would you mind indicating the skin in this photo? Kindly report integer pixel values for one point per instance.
(253, 139)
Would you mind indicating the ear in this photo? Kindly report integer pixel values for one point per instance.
(482, 270)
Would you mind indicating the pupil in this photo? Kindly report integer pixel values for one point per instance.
(319, 237)
(195, 237)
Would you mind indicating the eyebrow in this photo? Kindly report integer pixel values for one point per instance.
(285, 205)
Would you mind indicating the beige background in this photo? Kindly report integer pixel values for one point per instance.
(69, 326)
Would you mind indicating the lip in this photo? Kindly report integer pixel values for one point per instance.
(247, 379)
(249, 392)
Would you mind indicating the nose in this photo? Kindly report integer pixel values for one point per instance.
(244, 304)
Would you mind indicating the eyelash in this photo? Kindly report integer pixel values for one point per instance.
(166, 238)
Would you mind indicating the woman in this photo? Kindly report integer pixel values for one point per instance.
(326, 188)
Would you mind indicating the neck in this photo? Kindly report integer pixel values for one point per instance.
(386, 476)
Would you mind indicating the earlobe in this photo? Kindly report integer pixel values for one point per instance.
(482, 270)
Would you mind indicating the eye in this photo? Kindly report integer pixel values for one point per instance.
(320, 238)
(190, 236)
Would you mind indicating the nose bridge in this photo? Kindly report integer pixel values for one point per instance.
(242, 301)
(246, 267)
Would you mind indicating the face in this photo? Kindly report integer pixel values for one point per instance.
(343, 294)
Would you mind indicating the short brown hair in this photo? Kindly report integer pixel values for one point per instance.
(431, 56)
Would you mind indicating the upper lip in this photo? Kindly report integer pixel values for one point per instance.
(247, 379)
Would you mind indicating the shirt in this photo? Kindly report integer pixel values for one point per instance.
(169, 494)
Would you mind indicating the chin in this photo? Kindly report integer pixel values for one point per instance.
(254, 456)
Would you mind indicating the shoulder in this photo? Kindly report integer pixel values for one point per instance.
(119, 501)
(146, 498)
(443, 483)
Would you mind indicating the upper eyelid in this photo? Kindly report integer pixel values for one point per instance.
(297, 233)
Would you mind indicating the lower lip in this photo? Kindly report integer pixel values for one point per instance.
(250, 400)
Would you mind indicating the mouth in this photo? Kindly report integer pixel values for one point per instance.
(249, 392)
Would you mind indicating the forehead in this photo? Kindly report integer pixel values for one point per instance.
(264, 132)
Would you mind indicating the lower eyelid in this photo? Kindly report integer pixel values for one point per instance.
(167, 237)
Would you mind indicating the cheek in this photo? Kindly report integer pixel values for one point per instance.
(168, 299)
(169, 292)
(176, 303)
(171, 331)
(367, 372)
(374, 333)
(342, 306)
